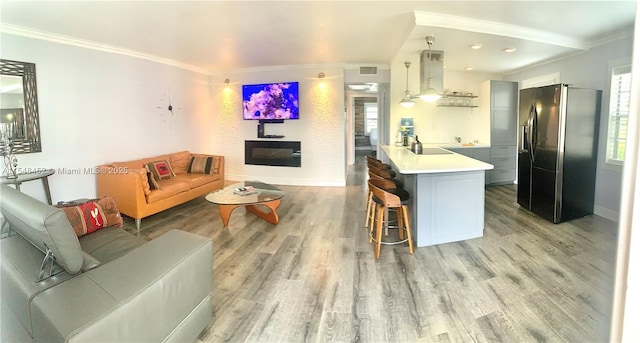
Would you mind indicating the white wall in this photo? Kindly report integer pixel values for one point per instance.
(592, 70)
(98, 107)
(626, 298)
(439, 124)
(320, 129)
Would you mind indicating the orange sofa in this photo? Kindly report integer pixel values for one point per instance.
(128, 183)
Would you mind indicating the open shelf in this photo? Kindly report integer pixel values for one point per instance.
(457, 100)
(459, 96)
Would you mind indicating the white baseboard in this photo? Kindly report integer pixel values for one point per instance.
(287, 181)
(606, 213)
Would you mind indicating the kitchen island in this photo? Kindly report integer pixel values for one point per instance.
(447, 193)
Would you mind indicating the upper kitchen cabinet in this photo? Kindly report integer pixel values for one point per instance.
(500, 104)
(502, 107)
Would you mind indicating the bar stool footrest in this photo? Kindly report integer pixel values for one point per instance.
(389, 243)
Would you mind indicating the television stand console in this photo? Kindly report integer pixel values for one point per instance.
(261, 128)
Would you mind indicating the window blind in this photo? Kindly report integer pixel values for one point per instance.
(618, 114)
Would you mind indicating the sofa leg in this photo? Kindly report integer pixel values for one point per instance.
(138, 222)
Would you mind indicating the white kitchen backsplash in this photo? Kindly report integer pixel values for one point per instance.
(434, 124)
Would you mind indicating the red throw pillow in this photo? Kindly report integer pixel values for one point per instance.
(92, 215)
(161, 170)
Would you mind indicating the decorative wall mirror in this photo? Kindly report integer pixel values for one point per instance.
(19, 118)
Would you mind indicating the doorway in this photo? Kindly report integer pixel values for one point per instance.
(362, 135)
(365, 128)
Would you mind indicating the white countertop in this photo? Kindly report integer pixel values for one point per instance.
(457, 145)
(407, 162)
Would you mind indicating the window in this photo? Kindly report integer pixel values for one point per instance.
(618, 114)
(370, 116)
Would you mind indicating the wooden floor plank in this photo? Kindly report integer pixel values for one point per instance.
(234, 322)
(558, 319)
(313, 276)
(496, 328)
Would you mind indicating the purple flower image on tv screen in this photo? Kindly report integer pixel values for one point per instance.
(270, 101)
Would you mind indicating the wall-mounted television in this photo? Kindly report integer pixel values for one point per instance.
(270, 101)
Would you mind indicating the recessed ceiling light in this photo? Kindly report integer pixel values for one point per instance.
(509, 50)
(468, 68)
(476, 46)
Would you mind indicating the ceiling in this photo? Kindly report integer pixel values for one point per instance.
(217, 36)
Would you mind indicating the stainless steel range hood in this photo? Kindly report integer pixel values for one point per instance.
(437, 70)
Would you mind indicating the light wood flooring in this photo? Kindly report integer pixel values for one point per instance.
(313, 277)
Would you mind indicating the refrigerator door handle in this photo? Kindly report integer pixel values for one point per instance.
(524, 140)
(530, 133)
(534, 132)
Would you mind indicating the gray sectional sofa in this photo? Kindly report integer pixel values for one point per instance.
(107, 286)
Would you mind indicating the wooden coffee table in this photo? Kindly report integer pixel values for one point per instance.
(265, 195)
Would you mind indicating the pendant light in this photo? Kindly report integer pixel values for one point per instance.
(407, 100)
(430, 94)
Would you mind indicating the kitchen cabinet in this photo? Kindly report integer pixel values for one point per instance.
(447, 193)
(504, 163)
(480, 154)
(501, 106)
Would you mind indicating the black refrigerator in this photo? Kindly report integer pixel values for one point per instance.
(557, 151)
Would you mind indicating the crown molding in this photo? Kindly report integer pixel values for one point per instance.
(278, 68)
(613, 37)
(541, 63)
(601, 41)
(500, 29)
(61, 39)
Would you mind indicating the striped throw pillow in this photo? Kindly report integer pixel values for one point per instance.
(204, 165)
